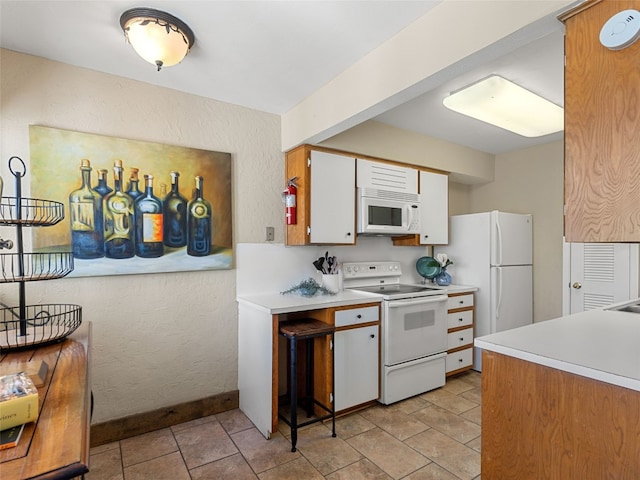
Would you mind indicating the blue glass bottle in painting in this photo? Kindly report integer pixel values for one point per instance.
(199, 223)
(149, 219)
(175, 215)
(119, 220)
(85, 209)
(132, 189)
(102, 188)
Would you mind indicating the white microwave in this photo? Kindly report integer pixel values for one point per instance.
(385, 212)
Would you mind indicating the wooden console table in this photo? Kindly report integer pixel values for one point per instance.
(56, 446)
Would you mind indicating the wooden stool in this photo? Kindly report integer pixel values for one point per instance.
(294, 331)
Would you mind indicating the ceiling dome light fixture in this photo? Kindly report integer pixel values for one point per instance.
(158, 37)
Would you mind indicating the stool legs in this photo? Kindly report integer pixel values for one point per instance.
(308, 330)
(293, 402)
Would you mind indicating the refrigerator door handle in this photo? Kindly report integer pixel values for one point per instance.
(498, 242)
(498, 291)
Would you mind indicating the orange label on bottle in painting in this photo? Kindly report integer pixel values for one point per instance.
(152, 227)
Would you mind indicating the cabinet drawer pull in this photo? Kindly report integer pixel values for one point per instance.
(358, 316)
(373, 336)
(461, 339)
(461, 320)
(460, 360)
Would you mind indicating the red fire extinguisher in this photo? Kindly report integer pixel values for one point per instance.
(289, 199)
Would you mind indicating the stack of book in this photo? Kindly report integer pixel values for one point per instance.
(18, 403)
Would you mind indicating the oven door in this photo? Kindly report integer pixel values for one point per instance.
(414, 328)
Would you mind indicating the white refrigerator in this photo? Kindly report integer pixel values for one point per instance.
(493, 251)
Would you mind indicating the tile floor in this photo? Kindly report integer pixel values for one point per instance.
(433, 436)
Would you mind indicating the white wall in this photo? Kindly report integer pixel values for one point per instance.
(158, 339)
(532, 181)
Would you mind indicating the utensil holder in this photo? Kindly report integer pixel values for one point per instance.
(332, 282)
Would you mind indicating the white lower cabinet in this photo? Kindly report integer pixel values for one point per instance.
(356, 359)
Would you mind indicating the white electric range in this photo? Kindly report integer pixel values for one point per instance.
(413, 328)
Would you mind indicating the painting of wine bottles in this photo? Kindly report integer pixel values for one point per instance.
(132, 207)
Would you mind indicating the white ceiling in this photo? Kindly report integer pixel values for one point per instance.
(269, 55)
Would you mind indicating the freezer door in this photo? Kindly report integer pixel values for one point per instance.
(511, 297)
(511, 239)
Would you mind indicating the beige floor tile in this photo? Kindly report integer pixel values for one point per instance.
(234, 421)
(148, 446)
(263, 454)
(433, 471)
(193, 423)
(388, 453)
(472, 377)
(298, 469)
(476, 444)
(326, 454)
(474, 415)
(409, 405)
(230, 468)
(352, 424)
(167, 467)
(105, 465)
(457, 385)
(444, 421)
(104, 448)
(204, 443)
(361, 470)
(393, 421)
(448, 400)
(473, 395)
(448, 453)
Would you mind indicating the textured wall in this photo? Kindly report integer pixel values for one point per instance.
(165, 338)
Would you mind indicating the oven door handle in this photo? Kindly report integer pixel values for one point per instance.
(417, 301)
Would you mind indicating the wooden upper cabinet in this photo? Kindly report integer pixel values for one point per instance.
(602, 129)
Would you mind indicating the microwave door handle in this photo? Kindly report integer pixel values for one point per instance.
(410, 213)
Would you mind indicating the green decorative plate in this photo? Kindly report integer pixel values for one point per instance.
(428, 267)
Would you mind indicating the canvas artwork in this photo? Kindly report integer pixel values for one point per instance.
(132, 207)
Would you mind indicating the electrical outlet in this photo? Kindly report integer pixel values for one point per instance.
(270, 234)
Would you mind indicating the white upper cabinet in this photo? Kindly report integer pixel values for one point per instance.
(332, 204)
(387, 176)
(434, 208)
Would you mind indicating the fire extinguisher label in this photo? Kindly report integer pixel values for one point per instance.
(290, 200)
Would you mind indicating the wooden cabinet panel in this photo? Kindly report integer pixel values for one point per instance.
(602, 121)
(540, 422)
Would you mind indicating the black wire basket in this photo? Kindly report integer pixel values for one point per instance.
(30, 325)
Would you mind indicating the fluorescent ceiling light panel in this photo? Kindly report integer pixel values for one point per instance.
(504, 104)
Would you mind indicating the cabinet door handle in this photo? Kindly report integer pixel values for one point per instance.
(373, 336)
(348, 234)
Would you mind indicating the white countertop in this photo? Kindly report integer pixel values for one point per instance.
(598, 344)
(275, 303)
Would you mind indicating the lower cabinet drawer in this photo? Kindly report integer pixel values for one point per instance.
(460, 359)
(459, 338)
(460, 319)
